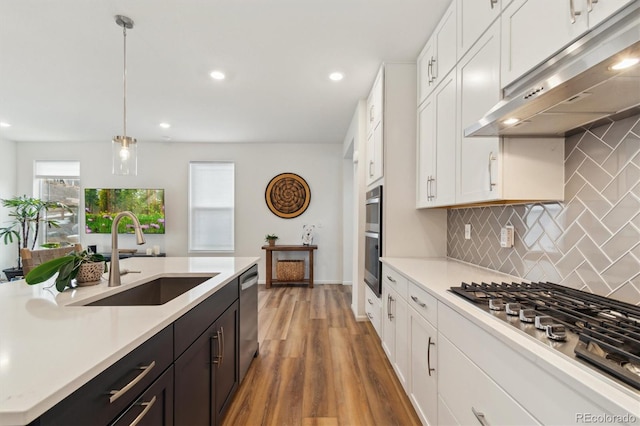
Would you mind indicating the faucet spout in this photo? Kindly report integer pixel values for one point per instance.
(114, 268)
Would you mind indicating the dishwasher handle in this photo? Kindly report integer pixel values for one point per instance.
(250, 282)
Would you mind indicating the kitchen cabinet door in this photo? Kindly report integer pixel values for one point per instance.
(375, 153)
(533, 30)
(225, 369)
(395, 340)
(424, 361)
(437, 130)
(438, 56)
(599, 10)
(474, 18)
(479, 90)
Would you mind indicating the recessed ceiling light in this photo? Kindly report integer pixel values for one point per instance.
(336, 76)
(3, 124)
(217, 75)
(165, 125)
(625, 63)
(510, 121)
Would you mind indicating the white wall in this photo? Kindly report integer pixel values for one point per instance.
(165, 165)
(347, 216)
(356, 136)
(8, 254)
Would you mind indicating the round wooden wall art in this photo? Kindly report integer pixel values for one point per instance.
(287, 195)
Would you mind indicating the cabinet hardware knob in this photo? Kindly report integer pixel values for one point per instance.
(115, 394)
(147, 406)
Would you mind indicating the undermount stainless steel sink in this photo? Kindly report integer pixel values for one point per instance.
(156, 292)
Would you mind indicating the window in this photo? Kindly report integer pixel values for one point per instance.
(59, 181)
(211, 206)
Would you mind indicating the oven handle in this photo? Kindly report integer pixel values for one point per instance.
(374, 200)
(372, 234)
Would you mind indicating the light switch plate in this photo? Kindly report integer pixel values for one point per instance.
(506, 237)
(467, 231)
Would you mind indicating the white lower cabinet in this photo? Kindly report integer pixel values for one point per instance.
(424, 368)
(373, 310)
(394, 333)
(471, 395)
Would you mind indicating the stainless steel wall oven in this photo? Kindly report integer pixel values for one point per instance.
(373, 240)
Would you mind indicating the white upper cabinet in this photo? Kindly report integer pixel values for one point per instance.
(374, 146)
(479, 90)
(437, 130)
(474, 17)
(438, 56)
(599, 10)
(533, 30)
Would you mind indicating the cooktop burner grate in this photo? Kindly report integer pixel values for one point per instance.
(608, 330)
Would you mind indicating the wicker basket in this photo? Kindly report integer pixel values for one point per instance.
(290, 270)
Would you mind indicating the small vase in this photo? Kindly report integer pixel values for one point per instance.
(89, 273)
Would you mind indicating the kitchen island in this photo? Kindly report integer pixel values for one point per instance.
(51, 344)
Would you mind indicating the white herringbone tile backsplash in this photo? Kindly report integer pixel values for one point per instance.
(591, 241)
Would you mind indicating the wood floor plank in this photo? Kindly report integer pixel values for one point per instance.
(317, 365)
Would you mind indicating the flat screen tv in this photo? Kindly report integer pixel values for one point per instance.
(102, 206)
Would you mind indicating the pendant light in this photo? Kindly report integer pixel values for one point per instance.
(124, 148)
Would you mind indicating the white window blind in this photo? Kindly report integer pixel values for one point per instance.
(211, 206)
(57, 169)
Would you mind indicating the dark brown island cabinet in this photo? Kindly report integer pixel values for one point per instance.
(187, 374)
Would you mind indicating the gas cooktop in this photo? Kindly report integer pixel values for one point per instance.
(603, 332)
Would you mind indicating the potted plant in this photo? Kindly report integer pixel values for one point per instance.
(27, 217)
(84, 267)
(271, 239)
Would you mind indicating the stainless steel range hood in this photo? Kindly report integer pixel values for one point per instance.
(575, 88)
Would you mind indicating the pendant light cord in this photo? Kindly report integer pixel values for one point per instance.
(124, 77)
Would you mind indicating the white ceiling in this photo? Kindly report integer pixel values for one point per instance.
(61, 66)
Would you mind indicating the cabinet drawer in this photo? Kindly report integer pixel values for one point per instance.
(373, 309)
(188, 327)
(471, 395)
(424, 303)
(94, 403)
(392, 279)
(154, 407)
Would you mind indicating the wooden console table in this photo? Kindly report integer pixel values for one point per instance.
(269, 264)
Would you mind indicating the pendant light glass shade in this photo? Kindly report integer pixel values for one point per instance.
(124, 152)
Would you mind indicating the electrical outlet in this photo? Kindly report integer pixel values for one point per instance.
(507, 236)
(467, 231)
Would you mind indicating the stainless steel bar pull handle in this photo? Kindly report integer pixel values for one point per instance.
(369, 315)
(218, 357)
(415, 299)
(429, 67)
(370, 301)
(115, 394)
(390, 278)
(573, 12)
(429, 356)
(493, 3)
(147, 406)
(371, 115)
(391, 300)
(492, 158)
(370, 168)
(434, 74)
(590, 4)
(222, 349)
(480, 416)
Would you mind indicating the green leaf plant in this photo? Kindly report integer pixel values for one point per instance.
(66, 266)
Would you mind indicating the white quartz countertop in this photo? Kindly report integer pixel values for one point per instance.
(437, 275)
(50, 345)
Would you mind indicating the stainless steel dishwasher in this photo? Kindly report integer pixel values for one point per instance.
(248, 318)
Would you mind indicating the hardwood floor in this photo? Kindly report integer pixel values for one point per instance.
(317, 365)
